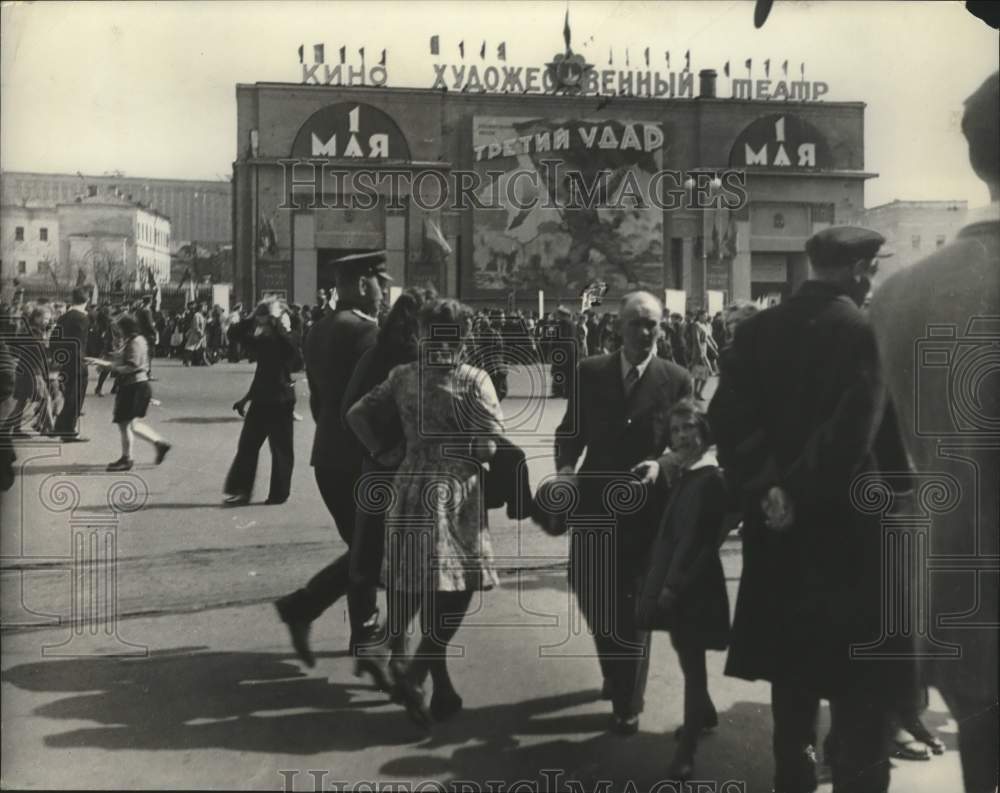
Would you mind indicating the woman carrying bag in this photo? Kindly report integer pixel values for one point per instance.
(685, 589)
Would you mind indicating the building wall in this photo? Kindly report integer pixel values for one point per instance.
(439, 129)
(200, 210)
(913, 230)
(31, 250)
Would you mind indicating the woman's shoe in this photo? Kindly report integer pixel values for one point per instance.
(410, 695)
(236, 500)
(906, 747)
(121, 464)
(445, 704)
(162, 447)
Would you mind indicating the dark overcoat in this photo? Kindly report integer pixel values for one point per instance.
(798, 406)
(684, 557)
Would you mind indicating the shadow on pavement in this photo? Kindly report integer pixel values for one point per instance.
(204, 420)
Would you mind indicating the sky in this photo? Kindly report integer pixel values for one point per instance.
(148, 89)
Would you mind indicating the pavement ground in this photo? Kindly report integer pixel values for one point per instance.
(184, 677)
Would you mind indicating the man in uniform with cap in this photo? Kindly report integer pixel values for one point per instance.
(335, 344)
(956, 293)
(795, 416)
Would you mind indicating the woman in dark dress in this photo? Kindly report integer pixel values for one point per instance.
(685, 588)
(130, 366)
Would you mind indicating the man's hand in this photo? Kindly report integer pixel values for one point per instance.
(566, 471)
(240, 407)
(778, 509)
(648, 472)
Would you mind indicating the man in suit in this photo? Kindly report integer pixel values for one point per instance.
(957, 289)
(795, 417)
(73, 326)
(334, 346)
(618, 412)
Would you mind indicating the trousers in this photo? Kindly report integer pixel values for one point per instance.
(860, 719)
(273, 423)
(337, 490)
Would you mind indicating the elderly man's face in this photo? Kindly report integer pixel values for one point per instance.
(640, 323)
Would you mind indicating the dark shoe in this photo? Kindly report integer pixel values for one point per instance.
(445, 704)
(607, 693)
(236, 500)
(121, 464)
(377, 669)
(98, 393)
(273, 501)
(298, 631)
(710, 723)
(75, 438)
(624, 725)
(162, 447)
(410, 695)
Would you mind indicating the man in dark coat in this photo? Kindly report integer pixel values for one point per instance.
(936, 323)
(73, 329)
(335, 345)
(795, 417)
(618, 413)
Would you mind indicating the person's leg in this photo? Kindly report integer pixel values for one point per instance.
(147, 433)
(978, 736)
(697, 703)
(794, 711)
(860, 718)
(442, 619)
(330, 583)
(588, 578)
(243, 471)
(125, 428)
(279, 438)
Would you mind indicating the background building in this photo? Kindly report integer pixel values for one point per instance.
(913, 230)
(29, 240)
(100, 238)
(198, 210)
(804, 165)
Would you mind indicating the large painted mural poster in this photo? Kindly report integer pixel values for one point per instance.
(548, 232)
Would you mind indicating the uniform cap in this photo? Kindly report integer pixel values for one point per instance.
(844, 245)
(363, 264)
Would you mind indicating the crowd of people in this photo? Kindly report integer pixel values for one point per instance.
(410, 451)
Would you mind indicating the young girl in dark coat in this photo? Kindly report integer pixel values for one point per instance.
(685, 588)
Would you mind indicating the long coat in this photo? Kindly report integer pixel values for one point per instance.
(952, 435)
(798, 406)
(684, 557)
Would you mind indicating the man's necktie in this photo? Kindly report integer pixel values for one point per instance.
(630, 380)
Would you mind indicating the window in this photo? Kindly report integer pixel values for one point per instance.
(940, 240)
(915, 242)
(19, 233)
(43, 234)
(22, 268)
(43, 268)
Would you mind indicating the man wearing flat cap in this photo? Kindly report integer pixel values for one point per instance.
(334, 346)
(938, 325)
(795, 415)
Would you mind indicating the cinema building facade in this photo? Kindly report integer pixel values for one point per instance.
(803, 164)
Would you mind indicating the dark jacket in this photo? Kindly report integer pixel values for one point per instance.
(684, 557)
(617, 433)
(277, 356)
(335, 345)
(798, 406)
(373, 368)
(74, 328)
(507, 481)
